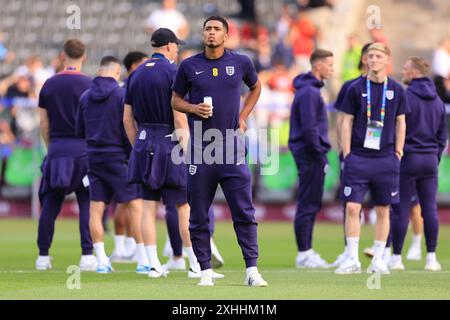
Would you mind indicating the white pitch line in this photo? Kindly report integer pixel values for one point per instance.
(223, 271)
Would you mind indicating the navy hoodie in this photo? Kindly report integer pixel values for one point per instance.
(308, 137)
(426, 125)
(100, 119)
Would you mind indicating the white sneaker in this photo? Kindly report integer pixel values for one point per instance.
(369, 252)
(414, 254)
(378, 266)
(311, 260)
(339, 260)
(121, 257)
(207, 279)
(154, 273)
(349, 266)
(254, 279)
(43, 263)
(216, 259)
(433, 265)
(195, 272)
(88, 263)
(175, 264)
(396, 264)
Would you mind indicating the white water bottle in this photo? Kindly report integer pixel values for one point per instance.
(208, 101)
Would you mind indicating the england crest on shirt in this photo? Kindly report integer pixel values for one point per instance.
(230, 70)
(390, 94)
(192, 170)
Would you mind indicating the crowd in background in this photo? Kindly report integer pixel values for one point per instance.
(279, 54)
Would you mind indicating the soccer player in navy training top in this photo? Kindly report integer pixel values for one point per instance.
(100, 122)
(309, 144)
(373, 136)
(213, 80)
(65, 167)
(148, 103)
(426, 138)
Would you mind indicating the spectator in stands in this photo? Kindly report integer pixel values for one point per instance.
(169, 17)
(248, 10)
(263, 58)
(303, 37)
(441, 69)
(350, 61)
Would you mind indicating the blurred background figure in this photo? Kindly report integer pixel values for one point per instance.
(441, 69)
(168, 17)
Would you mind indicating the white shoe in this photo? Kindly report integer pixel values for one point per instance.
(378, 266)
(414, 254)
(154, 273)
(311, 260)
(216, 259)
(43, 263)
(369, 252)
(207, 279)
(433, 265)
(396, 264)
(88, 263)
(339, 260)
(195, 272)
(175, 264)
(121, 257)
(349, 266)
(254, 279)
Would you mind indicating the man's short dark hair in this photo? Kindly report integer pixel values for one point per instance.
(320, 54)
(364, 50)
(74, 48)
(132, 58)
(108, 61)
(218, 18)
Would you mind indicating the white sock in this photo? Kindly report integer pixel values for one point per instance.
(45, 258)
(303, 254)
(416, 241)
(152, 255)
(130, 245)
(396, 258)
(191, 256)
(141, 255)
(100, 252)
(346, 252)
(378, 248)
(353, 247)
(431, 256)
(251, 270)
(119, 243)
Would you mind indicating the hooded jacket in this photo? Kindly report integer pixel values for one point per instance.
(426, 125)
(100, 118)
(308, 137)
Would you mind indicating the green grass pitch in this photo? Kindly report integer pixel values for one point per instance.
(18, 280)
